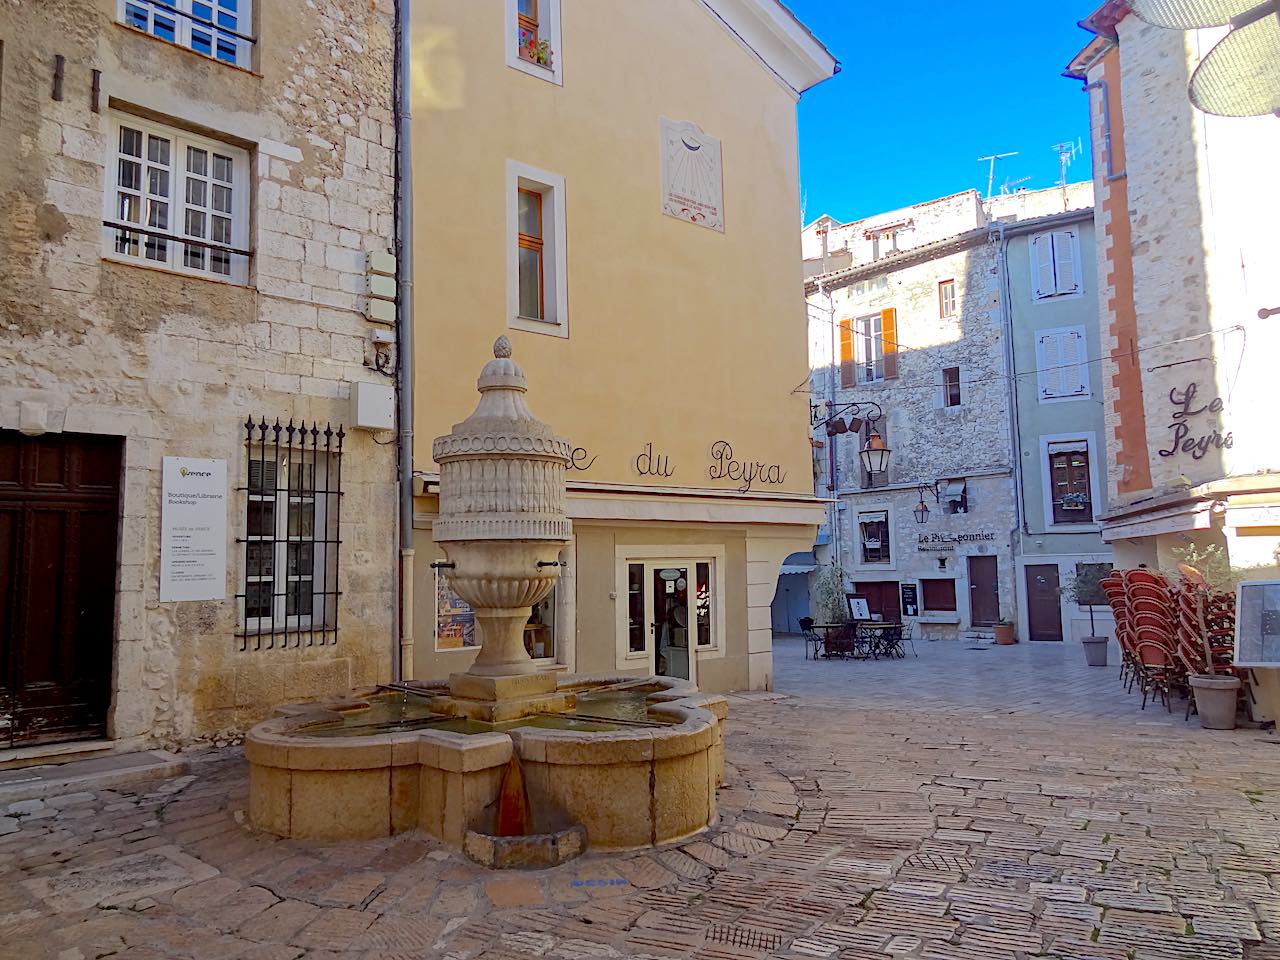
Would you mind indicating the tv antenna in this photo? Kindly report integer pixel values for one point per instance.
(991, 172)
(1005, 187)
(1067, 152)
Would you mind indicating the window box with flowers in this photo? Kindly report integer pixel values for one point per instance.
(1078, 500)
(537, 51)
(534, 30)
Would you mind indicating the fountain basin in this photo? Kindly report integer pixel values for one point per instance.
(629, 783)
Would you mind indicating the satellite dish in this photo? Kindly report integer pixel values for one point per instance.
(1189, 14)
(1240, 77)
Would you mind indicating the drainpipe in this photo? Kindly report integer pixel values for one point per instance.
(1015, 426)
(402, 648)
(833, 461)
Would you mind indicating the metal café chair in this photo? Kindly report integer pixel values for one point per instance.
(811, 638)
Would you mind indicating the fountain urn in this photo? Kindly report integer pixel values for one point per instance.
(502, 524)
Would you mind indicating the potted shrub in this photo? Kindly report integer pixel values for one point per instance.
(1004, 632)
(1217, 694)
(1085, 590)
(829, 592)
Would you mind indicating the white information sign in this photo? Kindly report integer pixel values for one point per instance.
(692, 178)
(193, 530)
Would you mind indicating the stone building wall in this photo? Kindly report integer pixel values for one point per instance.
(1199, 202)
(176, 364)
(930, 441)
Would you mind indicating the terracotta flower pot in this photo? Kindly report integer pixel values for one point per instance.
(1095, 651)
(1216, 698)
(1004, 633)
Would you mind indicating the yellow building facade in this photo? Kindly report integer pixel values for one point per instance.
(615, 188)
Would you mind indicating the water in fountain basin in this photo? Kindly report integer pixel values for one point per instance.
(399, 712)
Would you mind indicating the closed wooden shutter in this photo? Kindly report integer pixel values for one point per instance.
(1065, 269)
(1042, 260)
(1063, 370)
(889, 334)
(846, 353)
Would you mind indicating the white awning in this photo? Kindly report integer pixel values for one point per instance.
(1068, 446)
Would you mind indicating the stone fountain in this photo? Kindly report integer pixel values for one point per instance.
(617, 761)
(502, 525)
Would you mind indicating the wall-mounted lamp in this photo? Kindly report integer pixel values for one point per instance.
(921, 510)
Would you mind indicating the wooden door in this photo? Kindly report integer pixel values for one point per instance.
(984, 591)
(1044, 608)
(59, 514)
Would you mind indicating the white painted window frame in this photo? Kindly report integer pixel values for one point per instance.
(857, 508)
(1042, 364)
(1090, 439)
(548, 29)
(323, 608)
(941, 399)
(179, 140)
(184, 26)
(860, 340)
(1061, 291)
(551, 186)
(684, 554)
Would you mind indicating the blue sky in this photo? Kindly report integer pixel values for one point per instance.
(926, 88)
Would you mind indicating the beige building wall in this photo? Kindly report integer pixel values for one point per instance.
(176, 364)
(674, 336)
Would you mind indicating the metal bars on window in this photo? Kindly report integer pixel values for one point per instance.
(291, 542)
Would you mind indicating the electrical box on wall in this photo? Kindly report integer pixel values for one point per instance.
(380, 287)
(373, 406)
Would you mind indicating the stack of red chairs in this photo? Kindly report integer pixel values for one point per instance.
(1113, 588)
(1152, 613)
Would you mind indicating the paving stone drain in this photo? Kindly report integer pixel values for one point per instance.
(744, 937)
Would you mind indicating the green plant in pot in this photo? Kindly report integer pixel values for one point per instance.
(1217, 693)
(1084, 589)
(829, 592)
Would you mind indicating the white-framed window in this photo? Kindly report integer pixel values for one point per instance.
(291, 541)
(1055, 265)
(216, 28)
(874, 537)
(1062, 367)
(946, 299)
(188, 196)
(868, 338)
(951, 396)
(537, 286)
(1070, 491)
(532, 38)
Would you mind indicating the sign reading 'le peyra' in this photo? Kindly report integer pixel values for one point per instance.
(193, 530)
(692, 178)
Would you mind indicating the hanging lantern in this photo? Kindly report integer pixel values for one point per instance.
(921, 511)
(875, 455)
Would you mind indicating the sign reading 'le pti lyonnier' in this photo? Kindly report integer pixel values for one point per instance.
(193, 530)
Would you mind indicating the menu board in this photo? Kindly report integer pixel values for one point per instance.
(1258, 624)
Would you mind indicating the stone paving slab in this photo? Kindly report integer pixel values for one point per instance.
(849, 832)
(96, 773)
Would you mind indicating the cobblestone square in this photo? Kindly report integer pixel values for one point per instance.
(857, 823)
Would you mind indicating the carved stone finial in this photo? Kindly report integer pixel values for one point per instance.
(502, 347)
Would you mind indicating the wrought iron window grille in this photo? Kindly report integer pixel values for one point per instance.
(291, 543)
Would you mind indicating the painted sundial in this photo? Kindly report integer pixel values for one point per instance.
(692, 178)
